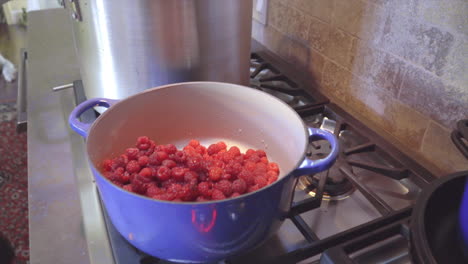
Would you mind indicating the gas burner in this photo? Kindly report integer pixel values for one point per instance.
(334, 189)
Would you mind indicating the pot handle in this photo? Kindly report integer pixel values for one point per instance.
(74, 119)
(309, 166)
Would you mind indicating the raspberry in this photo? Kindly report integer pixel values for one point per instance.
(215, 173)
(180, 156)
(233, 168)
(128, 187)
(164, 173)
(142, 179)
(261, 153)
(118, 183)
(225, 186)
(221, 145)
(213, 149)
(153, 190)
(254, 158)
(178, 173)
(261, 181)
(157, 158)
(190, 176)
(247, 176)
(218, 195)
(174, 188)
(133, 166)
(143, 161)
(119, 171)
(107, 165)
(201, 198)
(227, 156)
(200, 150)
(142, 140)
(239, 159)
(170, 149)
(202, 176)
(260, 169)
(194, 163)
(167, 183)
(226, 176)
(234, 195)
(132, 153)
(194, 143)
(143, 146)
(250, 166)
(159, 148)
(132, 176)
(264, 160)
(204, 189)
(239, 186)
(273, 166)
(235, 151)
(138, 186)
(120, 161)
(249, 153)
(188, 193)
(125, 177)
(169, 163)
(253, 188)
(146, 172)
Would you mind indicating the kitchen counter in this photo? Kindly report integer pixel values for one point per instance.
(57, 162)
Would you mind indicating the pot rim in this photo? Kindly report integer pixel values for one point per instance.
(242, 196)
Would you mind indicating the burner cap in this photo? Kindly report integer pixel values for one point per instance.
(335, 188)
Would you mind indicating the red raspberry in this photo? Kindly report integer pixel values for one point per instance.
(125, 177)
(250, 166)
(261, 181)
(260, 169)
(253, 188)
(215, 173)
(247, 176)
(170, 149)
(153, 190)
(273, 166)
(227, 157)
(138, 186)
(201, 198)
(180, 156)
(190, 176)
(142, 140)
(133, 176)
(159, 148)
(128, 187)
(142, 179)
(225, 186)
(133, 166)
(213, 149)
(120, 161)
(188, 193)
(264, 160)
(202, 176)
(132, 153)
(119, 171)
(235, 151)
(254, 157)
(190, 151)
(158, 157)
(111, 176)
(204, 189)
(234, 195)
(239, 186)
(164, 197)
(194, 143)
(221, 145)
(178, 173)
(143, 161)
(194, 163)
(164, 173)
(261, 153)
(118, 183)
(169, 163)
(233, 168)
(168, 183)
(174, 188)
(143, 146)
(226, 176)
(249, 153)
(146, 172)
(177, 200)
(200, 150)
(239, 159)
(271, 174)
(272, 179)
(218, 195)
(107, 165)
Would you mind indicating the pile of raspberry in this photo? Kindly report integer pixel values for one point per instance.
(193, 174)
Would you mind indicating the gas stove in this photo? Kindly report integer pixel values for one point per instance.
(356, 212)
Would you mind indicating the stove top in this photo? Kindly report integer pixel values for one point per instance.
(357, 211)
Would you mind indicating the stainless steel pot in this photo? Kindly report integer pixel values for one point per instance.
(125, 47)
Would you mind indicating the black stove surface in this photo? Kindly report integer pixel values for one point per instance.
(355, 212)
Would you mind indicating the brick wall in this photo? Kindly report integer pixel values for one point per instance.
(399, 65)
